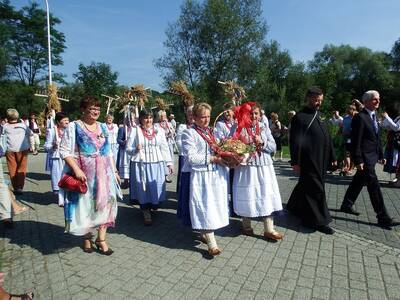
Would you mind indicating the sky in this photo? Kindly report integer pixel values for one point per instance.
(129, 34)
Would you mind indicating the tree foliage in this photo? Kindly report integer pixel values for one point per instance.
(212, 41)
(97, 79)
(23, 36)
(344, 72)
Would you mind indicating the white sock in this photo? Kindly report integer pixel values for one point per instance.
(269, 225)
(210, 238)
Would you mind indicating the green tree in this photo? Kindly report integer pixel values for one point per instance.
(395, 54)
(271, 69)
(211, 41)
(26, 43)
(97, 79)
(344, 73)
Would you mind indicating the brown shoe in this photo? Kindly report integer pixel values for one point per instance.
(214, 251)
(148, 222)
(248, 231)
(274, 235)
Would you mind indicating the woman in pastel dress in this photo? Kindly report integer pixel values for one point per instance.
(150, 156)
(208, 202)
(86, 149)
(52, 146)
(255, 187)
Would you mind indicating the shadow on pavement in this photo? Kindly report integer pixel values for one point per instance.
(46, 198)
(38, 176)
(166, 230)
(44, 237)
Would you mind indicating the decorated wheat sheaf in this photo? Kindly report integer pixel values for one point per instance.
(161, 103)
(234, 91)
(136, 95)
(53, 105)
(179, 88)
(140, 93)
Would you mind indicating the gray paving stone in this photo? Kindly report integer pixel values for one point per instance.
(360, 261)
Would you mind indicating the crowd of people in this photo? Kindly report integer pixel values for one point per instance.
(90, 162)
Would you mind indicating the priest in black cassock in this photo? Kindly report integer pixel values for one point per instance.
(311, 153)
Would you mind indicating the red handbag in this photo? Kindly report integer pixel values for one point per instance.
(70, 183)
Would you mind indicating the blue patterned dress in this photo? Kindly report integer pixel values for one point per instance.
(98, 207)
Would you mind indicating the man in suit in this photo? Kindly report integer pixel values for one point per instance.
(366, 151)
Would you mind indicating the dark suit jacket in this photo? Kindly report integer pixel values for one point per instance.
(366, 144)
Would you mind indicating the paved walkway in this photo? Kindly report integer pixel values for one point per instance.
(361, 261)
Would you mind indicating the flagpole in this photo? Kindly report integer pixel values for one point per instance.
(48, 41)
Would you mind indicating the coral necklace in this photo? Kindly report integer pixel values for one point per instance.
(207, 136)
(251, 133)
(147, 135)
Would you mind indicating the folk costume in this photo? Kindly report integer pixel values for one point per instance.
(123, 158)
(255, 187)
(183, 179)
(55, 164)
(208, 203)
(147, 166)
(97, 208)
(169, 134)
(113, 135)
(224, 129)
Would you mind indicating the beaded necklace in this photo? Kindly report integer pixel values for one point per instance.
(207, 136)
(147, 135)
(252, 134)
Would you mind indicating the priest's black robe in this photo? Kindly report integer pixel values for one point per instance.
(313, 151)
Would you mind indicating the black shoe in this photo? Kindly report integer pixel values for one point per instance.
(18, 192)
(8, 224)
(325, 229)
(387, 223)
(100, 248)
(349, 210)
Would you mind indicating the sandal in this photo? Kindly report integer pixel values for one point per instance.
(248, 231)
(100, 248)
(26, 296)
(21, 210)
(88, 249)
(214, 251)
(275, 235)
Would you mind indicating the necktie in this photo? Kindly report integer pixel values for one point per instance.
(375, 123)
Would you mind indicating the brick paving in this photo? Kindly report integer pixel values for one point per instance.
(165, 261)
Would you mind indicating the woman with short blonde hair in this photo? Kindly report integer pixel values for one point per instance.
(208, 197)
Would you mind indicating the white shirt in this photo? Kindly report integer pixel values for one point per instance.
(153, 150)
(17, 135)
